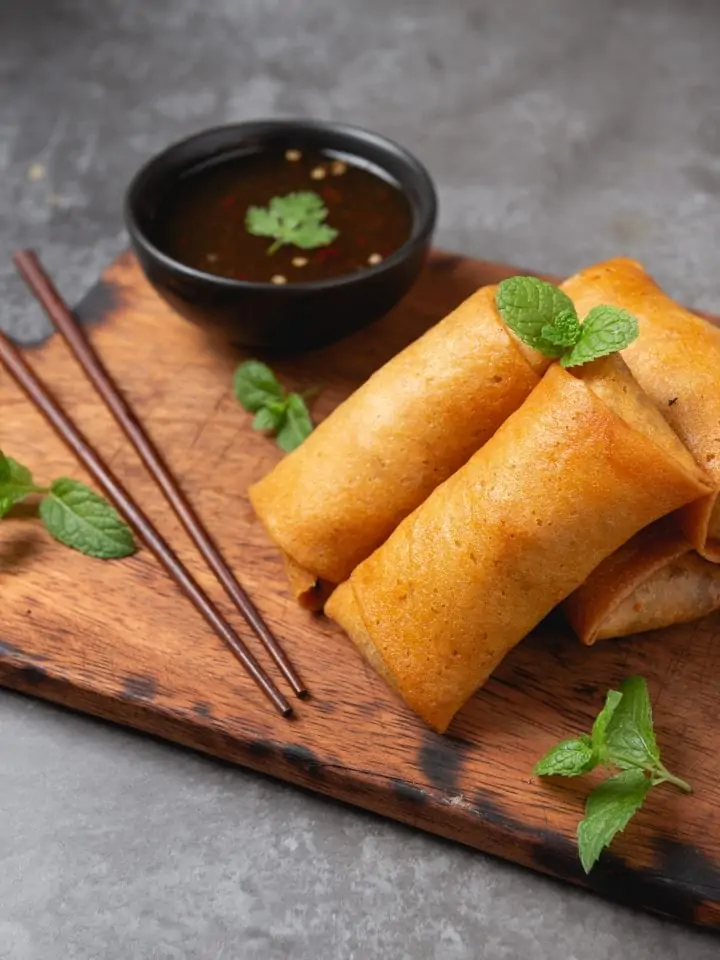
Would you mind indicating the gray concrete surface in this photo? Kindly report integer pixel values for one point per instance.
(559, 132)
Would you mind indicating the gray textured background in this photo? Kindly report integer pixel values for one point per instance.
(559, 132)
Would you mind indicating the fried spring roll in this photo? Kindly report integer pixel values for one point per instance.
(585, 463)
(676, 360)
(655, 580)
(419, 418)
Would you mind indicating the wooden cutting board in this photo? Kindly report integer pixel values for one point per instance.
(118, 641)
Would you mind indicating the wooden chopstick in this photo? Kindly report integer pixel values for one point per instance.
(32, 271)
(129, 510)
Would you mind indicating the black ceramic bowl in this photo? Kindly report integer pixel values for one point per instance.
(291, 316)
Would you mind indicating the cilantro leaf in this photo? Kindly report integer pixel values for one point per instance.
(313, 235)
(16, 482)
(608, 811)
(297, 218)
(629, 735)
(296, 426)
(570, 758)
(604, 330)
(79, 518)
(598, 735)
(529, 305)
(261, 222)
(256, 386)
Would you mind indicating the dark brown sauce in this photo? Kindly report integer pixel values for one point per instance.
(201, 222)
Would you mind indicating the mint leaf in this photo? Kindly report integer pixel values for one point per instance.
(528, 305)
(565, 330)
(608, 811)
(544, 317)
(16, 482)
(276, 412)
(629, 735)
(296, 426)
(604, 330)
(269, 419)
(599, 743)
(79, 518)
(296, 218)
(570, 758)
(256, 386)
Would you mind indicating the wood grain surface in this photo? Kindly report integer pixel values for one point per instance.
(118, 641)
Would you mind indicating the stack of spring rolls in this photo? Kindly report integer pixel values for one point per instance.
(472, 484)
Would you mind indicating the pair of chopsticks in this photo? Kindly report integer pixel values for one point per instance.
(32, 271)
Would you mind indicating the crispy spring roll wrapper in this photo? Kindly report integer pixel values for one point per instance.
(654, 580)
(309, 590)
(419, 418)
(585, 463)
(676, 360)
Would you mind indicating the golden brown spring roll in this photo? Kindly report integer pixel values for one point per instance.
(654, 580)
(379, 454)
(676, 360)
(584, 464)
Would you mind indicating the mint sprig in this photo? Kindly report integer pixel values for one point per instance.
(71, 512)
(622, 738)
(283, 415)
(545, 318)
(297, 218)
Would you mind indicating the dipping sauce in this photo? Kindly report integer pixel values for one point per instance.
(202, 220)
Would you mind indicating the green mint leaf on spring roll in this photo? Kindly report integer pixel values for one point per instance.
(604, 330)
(543, 316)
(79, 518)
(296, 426)
(570, 758)
(608, 810)
(16, 482)
(528, 306)
(256, 386)
(565, 331)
